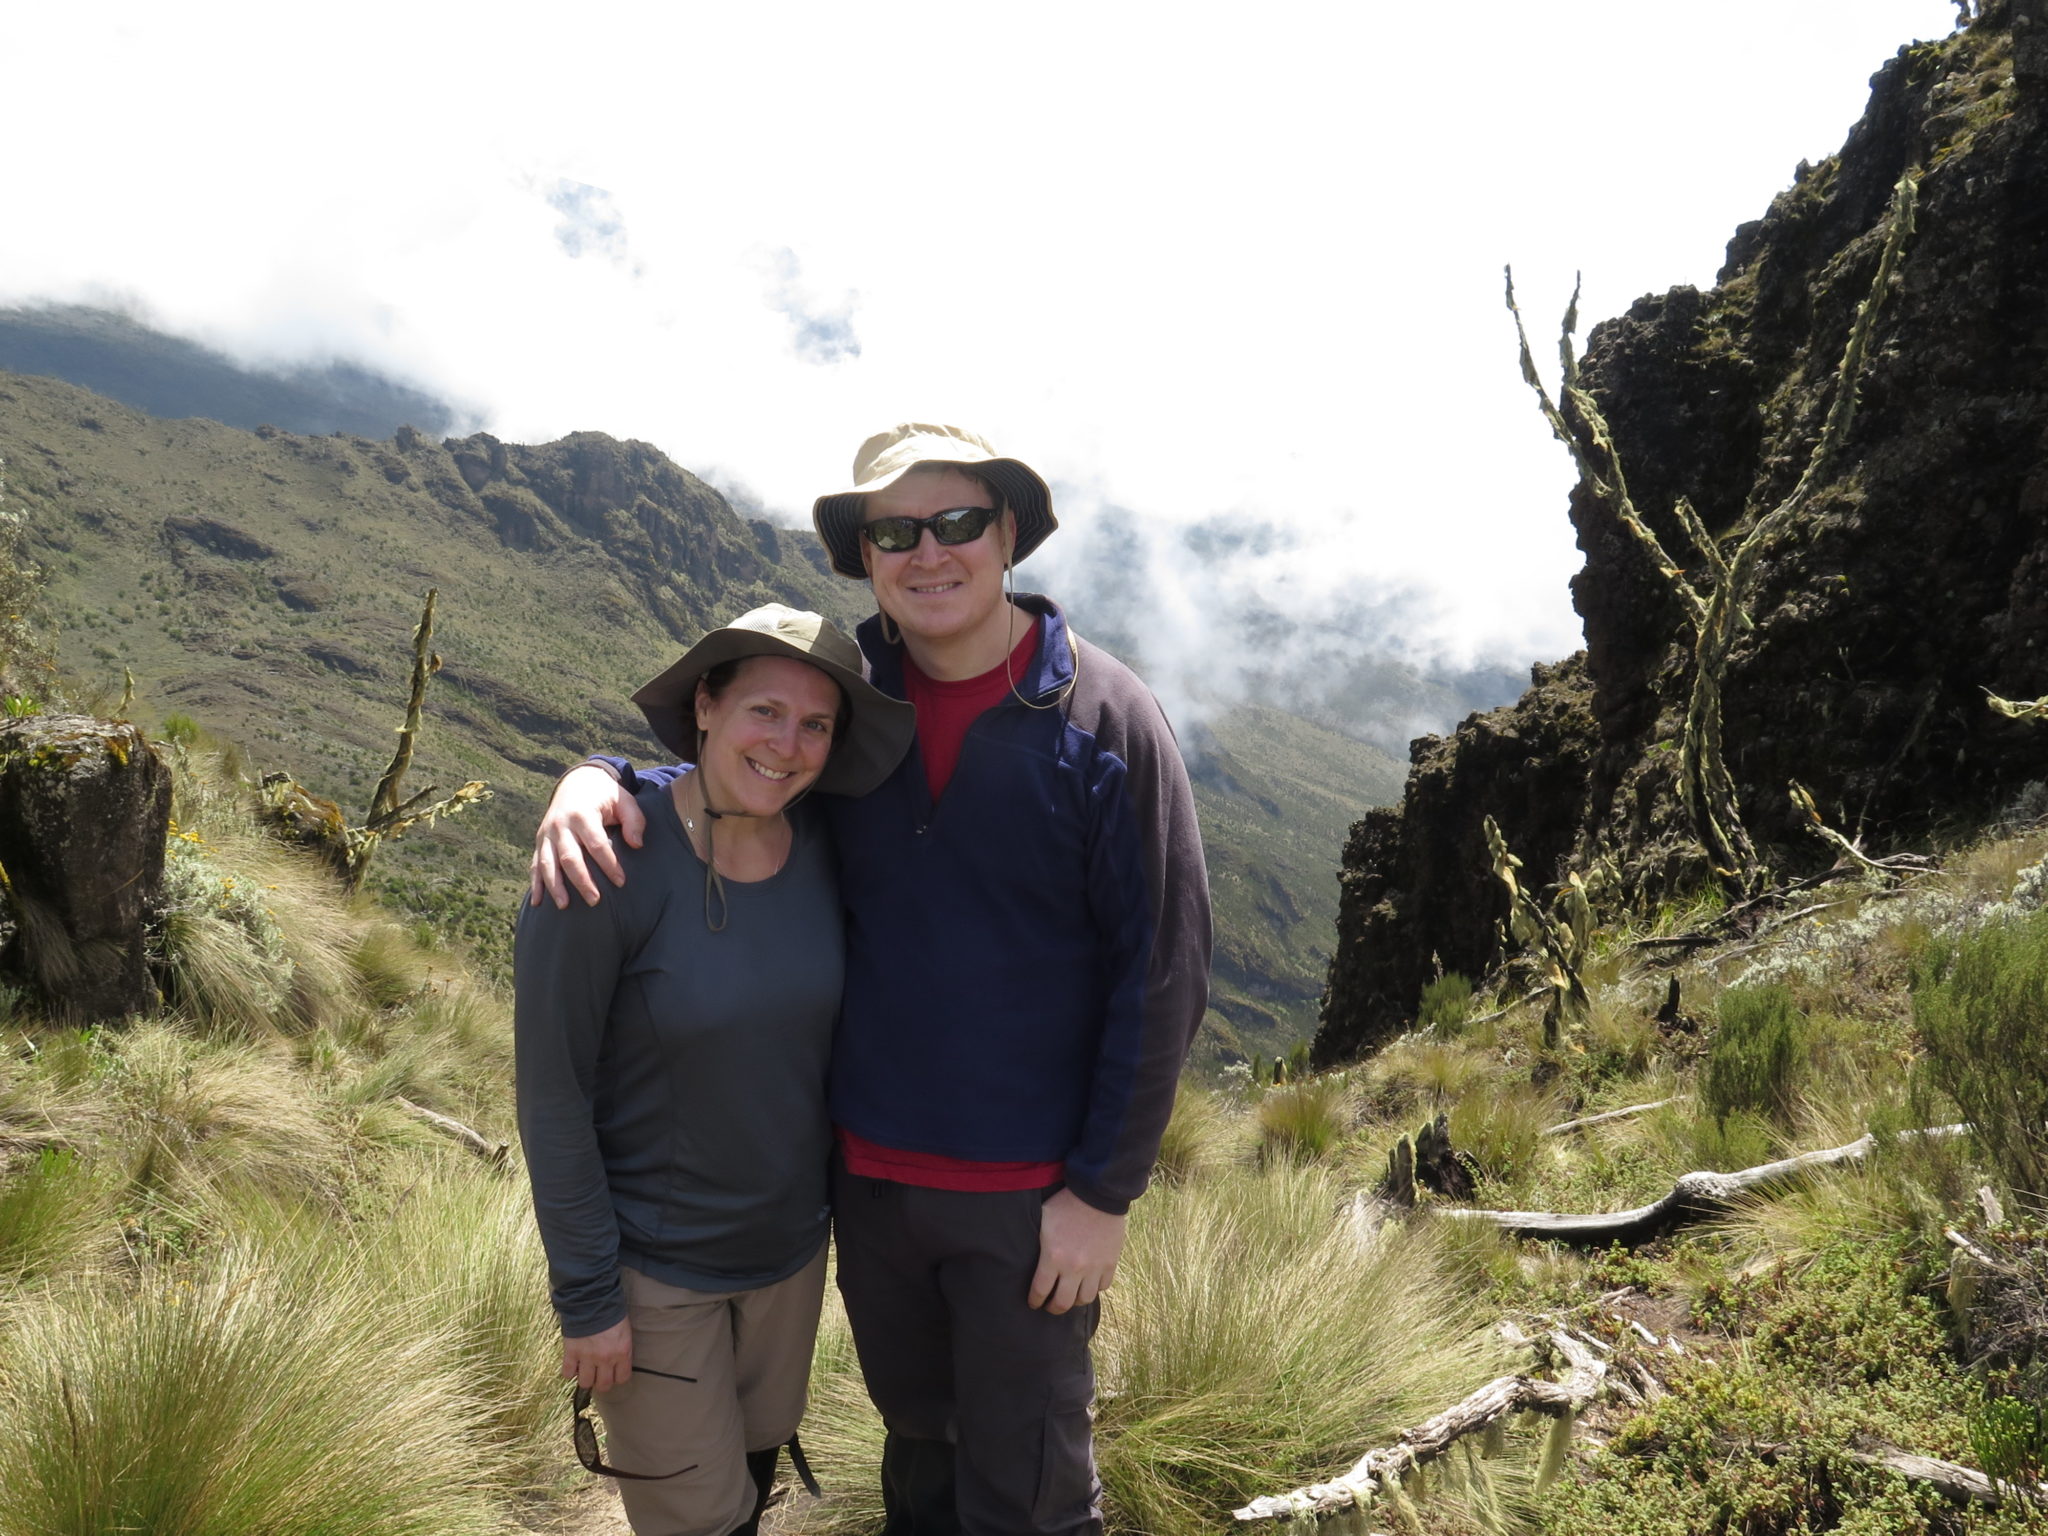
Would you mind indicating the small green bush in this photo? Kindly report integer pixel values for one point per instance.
(1445, 1003)
(2009, 1440)
(1980, 1003)
(1758, 1057)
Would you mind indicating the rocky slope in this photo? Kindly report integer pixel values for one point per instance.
(1913, 582)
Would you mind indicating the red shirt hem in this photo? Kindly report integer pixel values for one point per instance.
(931, 1170)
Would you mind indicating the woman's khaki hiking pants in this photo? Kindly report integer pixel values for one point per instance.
(750, 1352)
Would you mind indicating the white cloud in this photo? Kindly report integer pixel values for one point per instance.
(1193, 262)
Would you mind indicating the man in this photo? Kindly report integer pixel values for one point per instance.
(1027, 960)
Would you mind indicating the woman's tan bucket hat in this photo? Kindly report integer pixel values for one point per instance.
(887, 456)
(876, 736)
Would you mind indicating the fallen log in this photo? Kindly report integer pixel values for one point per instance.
(491, 1152)
(1612, 1114)
(1965, 1485)
(1383, 1471)
(1693, 1197)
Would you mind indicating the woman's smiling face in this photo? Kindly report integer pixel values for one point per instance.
(766, 734)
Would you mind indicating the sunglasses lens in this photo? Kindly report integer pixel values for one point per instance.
(893, 534)
(962, 525)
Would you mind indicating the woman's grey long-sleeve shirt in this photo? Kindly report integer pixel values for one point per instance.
(671, 1080)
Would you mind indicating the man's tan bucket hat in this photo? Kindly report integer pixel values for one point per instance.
(887, 456)
(876, 736)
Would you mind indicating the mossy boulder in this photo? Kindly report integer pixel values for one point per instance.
(85, 806)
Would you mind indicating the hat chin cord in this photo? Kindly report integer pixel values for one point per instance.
(714, 882)
(1010, 647)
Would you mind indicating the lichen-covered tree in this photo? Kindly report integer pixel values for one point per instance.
(1717, 605)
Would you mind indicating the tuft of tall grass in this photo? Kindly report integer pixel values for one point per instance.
(56, 1215)
(256, 937)
(1254, 1340)
(1202, 1136)
(1980, 1002)
(460, 1257)
(229, 1403)
(1304, 1121)
(1436, 1072)
(1503, 1132)
(204, 1113)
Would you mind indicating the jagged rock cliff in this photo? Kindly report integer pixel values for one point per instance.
(1914, 580)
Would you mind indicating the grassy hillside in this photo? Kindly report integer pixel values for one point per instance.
(264, 585)
(1276, 794)
(245, 1284)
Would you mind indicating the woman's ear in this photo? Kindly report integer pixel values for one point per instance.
(704, 703)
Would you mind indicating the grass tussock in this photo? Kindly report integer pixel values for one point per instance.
(231, 1403)
(1257, 1337)
(1203, 1136)
(1305, 1121)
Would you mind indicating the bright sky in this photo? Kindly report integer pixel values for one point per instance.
(1191, 260)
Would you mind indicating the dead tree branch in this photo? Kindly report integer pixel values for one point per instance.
(1693, 1197)
(1612, 1114)
(491, 1152)
(1381, 1473)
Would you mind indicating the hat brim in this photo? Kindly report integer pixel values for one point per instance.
(878, 733)
(838, 515)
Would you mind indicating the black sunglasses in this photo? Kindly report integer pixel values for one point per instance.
(959, 525)
(585, 1434)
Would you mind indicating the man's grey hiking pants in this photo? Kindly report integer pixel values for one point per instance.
(986, 1401)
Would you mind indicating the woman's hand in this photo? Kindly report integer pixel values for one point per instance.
(586, 802)
(600, 1361)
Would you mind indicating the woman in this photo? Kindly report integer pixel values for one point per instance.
(672, 1045)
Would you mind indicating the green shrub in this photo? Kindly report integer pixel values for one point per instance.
(1758, 1056)
(2009, 1440)
(1445, 1003)
(1981, 1005)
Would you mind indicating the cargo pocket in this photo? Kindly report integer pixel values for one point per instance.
(1066, 1466)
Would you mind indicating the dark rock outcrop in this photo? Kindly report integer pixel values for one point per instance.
(1914, 581)
(84, 808)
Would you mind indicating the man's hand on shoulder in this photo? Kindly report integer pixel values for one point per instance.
(1078, 1247)
(586, 802)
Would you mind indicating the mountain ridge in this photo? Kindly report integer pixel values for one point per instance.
(265, 583)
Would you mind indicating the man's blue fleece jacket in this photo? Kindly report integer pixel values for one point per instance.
(1027, 960)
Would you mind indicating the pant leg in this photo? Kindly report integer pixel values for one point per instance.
(1024, 1382)
(937, 1285)
(888, 1278)
(774, 1331)
(656, 1425)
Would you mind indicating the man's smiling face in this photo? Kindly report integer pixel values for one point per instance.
(937, 592)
